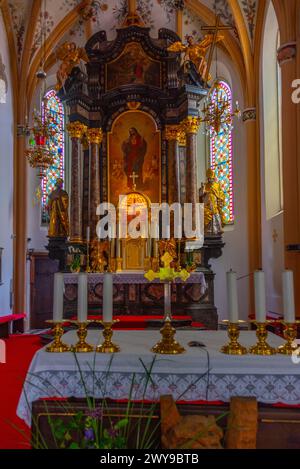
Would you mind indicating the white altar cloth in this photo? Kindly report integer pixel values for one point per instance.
(199, 374)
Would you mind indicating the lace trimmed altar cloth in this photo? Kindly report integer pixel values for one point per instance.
(199, 374)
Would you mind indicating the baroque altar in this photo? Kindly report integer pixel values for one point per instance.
(133, 123)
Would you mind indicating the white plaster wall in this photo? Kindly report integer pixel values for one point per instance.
(235, 253)
(272, 214)
(6, 181)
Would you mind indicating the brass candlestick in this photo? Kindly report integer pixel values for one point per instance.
(168, 345)
(57, 346)
(290, 335)
(82, 346)
(108, 346)
(262, 347)
(234, 347)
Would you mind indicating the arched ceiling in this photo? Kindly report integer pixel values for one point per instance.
(77, 20)
(108, 14)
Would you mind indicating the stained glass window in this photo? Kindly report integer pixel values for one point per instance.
(221, 157)
(55, 109)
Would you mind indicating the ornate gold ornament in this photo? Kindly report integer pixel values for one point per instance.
(95, 136)
(76, 129)
(217, 114)
(191, 124)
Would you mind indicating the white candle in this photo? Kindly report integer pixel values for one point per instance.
(58, 297)
(82, 297)
(288, 296)
(107, 297)
(233, 308)
(260, 296)
(88, 234)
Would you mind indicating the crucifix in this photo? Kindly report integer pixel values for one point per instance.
(213, 30)
(134, 176)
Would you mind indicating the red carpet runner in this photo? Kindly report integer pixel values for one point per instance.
(19, 352)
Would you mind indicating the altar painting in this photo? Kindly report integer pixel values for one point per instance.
(134, 156)
(133, 67)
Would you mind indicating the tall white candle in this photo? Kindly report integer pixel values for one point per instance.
(58, 297)
(82, 297)
(288, 296)
(233, 308)
(108, 297)
(88, 234)
(260, 296)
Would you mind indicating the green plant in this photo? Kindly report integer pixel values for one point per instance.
(76, 263)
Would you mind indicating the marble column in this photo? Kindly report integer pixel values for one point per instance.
(191, 125)
(95, 137)
(172, 136)
(76, 131)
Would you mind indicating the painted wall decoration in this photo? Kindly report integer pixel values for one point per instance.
(134, 147)
(133, 67)
(221, 159)
(20, 12)
(3, 82)
(249, 8)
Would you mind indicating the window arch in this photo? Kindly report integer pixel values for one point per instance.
(221, 155)
(53, 107)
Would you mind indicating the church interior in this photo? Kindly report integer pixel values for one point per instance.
(149, 251)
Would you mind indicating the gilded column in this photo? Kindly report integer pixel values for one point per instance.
(191, 125)
(95, 137)
(76, 131)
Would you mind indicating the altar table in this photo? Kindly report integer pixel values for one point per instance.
(198, 374)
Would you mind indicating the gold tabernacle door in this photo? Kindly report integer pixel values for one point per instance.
(135, 252)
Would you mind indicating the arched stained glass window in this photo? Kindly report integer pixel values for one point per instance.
(54, 107)
(221, 156)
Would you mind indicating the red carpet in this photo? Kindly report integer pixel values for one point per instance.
(19, 353)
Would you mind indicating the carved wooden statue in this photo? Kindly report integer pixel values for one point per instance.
(213, 198)
(71, 55)
(58, 205)
(196, 52)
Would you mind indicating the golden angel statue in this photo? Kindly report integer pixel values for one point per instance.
(212, 196)
(99, 255)
(70, 55)
(58, 207)
(196, 52)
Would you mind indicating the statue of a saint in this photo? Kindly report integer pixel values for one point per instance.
(134, 151)
(58, 204)
(213, 198)
(195, 52)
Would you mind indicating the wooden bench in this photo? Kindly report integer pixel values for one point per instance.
(6, 321)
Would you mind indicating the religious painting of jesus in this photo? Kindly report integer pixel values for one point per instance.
(134, 156)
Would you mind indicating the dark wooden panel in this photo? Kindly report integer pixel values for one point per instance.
(42, 271)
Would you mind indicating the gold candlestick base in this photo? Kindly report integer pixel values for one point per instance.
(57, 346)
(290, 335)
(168, 345)
(234, 347)
(82, 346)
(108, 346)
(262, 347)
